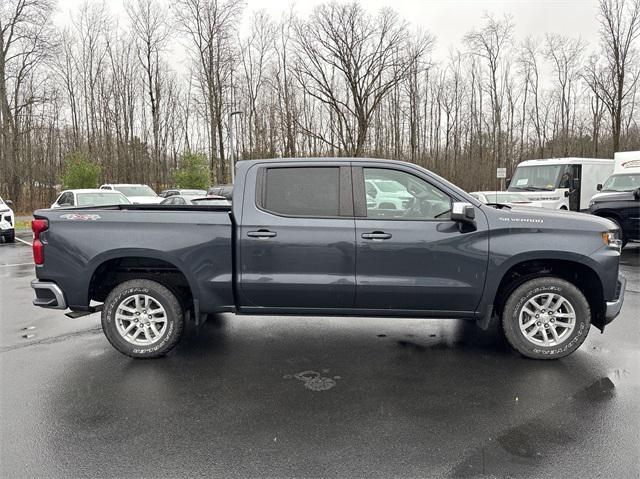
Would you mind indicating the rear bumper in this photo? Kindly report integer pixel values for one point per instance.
(48, 295)
(613, 307)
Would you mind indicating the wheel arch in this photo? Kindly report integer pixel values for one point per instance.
(106, 271)
(577, 270)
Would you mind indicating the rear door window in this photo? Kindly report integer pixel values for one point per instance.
(303, 191)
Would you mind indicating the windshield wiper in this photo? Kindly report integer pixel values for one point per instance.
(498, 206)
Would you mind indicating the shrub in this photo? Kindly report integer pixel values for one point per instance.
(193, 172)
(79, 172)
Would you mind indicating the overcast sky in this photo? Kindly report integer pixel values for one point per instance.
(448, 20)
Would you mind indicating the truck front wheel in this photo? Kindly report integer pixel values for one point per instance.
(546, 318)
(142, 319)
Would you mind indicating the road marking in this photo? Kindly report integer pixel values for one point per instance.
(23, 241)
(15, 264)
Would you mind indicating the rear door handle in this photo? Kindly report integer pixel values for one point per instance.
(262, 234)
(376, 235)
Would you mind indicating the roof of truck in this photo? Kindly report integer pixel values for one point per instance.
(566, 161)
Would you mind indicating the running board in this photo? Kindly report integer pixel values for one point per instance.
(79, 314)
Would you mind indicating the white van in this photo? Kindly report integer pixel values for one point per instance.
(561, 183)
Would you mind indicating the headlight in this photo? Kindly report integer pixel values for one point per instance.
(591, 202)
(609, 238)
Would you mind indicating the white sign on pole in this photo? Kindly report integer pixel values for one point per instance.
(501, 172)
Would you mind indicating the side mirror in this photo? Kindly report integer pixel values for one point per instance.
(463, 212)
(9, 203)
(567, 194)
(507, 182)
(636, 193)
(599, 187)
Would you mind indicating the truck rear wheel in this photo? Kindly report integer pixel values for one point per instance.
(142, 319)
(546, 318)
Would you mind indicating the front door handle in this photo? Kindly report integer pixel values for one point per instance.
(376, 235)
(262, 234)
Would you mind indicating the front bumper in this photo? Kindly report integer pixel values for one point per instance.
(613, 307)
(48, 295)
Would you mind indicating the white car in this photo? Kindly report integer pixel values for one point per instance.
(506, 198)
(7, 221)
(90, 197)
(387, 194)
(137, 194)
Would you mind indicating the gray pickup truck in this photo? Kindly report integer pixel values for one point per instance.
(308, 237)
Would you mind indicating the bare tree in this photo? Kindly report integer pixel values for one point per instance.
(490, 43)
(256, 52)
(614, 77)
(150, 29)
(565, 55)
(349, 60)
(210, 25)
(24, 45)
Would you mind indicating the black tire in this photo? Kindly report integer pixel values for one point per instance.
(10, 237)
(170, 334)
(540, 286)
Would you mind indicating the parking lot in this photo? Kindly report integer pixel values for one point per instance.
(312, 397)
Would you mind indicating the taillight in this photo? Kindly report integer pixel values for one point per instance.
(38, 226)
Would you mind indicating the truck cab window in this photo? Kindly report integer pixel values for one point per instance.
(308, 192)
(403, 196)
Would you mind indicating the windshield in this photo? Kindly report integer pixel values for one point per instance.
(510, 198)
(532, 178)
(502, 197)
(143, 190)
(101, 199)
(622, 183)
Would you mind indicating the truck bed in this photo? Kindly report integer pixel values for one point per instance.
(195, 241)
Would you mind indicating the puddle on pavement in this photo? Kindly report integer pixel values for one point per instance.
(314, 381)
(540, 437)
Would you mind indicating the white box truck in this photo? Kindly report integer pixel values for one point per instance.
(627, 162)
(561, 183)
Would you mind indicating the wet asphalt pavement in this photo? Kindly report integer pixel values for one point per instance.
(312, 397)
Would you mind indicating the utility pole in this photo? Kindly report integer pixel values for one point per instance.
(232, 149)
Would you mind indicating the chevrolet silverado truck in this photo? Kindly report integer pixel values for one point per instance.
(301, 239)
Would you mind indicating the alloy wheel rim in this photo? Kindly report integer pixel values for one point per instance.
(141, 320)
(547, 319)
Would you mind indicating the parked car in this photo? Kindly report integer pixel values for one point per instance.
(619, 201)
(221, 190)
(505, 198)
(560, 183)
(387, 194)
(294, 242)
(7, 221)
(90, 197)
(137, 194)
(181, 200)
(178, 191)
